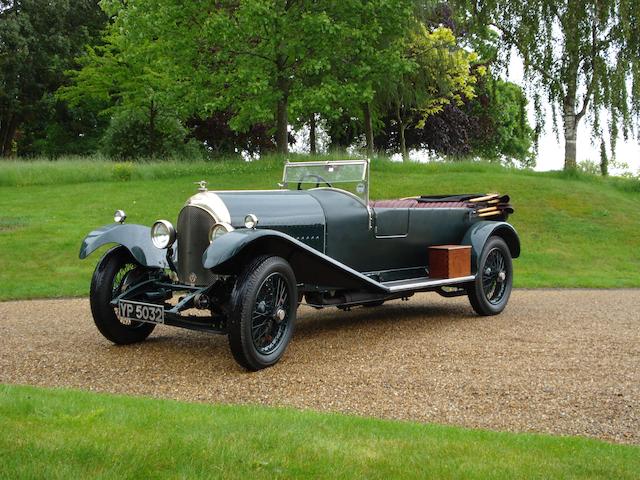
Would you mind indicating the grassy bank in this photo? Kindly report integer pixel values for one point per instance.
(68, 434)
(576, 231)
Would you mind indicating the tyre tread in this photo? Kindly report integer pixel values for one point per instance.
(103, 314)
(475, 293)
(241, 299)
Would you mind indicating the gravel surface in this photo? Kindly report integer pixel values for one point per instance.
(556, 361)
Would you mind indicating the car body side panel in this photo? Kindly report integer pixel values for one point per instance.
(309, 265)
(136, 238)
(427, 227)
(439, 226)
(352, 242)
(348, 235)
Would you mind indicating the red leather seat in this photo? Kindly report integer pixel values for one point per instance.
(412, 203)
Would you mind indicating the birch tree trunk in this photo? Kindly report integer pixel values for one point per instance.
(570, 119)
(570, 137)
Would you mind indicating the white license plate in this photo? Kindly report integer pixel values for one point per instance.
(141, 312)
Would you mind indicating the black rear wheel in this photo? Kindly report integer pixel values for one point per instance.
(490, 292)
(116, 271)
(263, 311)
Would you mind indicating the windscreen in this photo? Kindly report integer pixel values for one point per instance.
(349, 175)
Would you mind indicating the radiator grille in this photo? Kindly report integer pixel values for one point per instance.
(193, 239)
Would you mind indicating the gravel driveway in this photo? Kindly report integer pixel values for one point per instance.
(556, 361)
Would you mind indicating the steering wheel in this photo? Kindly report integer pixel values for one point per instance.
(317, 177)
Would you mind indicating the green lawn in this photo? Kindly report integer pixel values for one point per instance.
(576, 231)
(68, 434)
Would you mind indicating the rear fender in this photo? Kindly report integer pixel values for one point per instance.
(136, 238)
(230, 252)
(479, 233)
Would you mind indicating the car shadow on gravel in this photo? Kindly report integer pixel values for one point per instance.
(332, 320)
(312, 324)
(180, 347)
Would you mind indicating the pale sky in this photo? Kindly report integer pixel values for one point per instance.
(551, 152)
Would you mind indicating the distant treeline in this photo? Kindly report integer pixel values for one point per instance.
(152, 78)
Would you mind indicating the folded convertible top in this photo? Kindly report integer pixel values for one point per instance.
(486, 205)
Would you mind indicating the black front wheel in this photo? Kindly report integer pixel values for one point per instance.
(263, 312)
(116, 271)
(490, 291)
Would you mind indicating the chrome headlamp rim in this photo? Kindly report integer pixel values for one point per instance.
(164, 239)
(250, 221)
(119, 216)
(219, 225)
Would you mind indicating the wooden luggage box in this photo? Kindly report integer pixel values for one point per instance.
(449, 261)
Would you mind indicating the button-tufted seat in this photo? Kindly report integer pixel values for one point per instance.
(413, 203)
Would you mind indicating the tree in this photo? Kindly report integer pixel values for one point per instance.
(373, 53)
(131, 136)
(296, 58)
(493, 125)
(38, 42)
(275, 62)
(503, 131)
(584, 57)
(214, 132)
(437, 73)
(59, 129)
(129, 78)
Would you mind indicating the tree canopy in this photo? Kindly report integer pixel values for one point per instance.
(438, 73)
(38, 42)
(582, 57)
(239, 75)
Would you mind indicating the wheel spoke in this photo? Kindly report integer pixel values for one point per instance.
(256, 315)
(282, 293)
(259, 333)
(494, 267)
(266, 329)
(255, 326)
(283, 298)
(128, 274)
(276, 293)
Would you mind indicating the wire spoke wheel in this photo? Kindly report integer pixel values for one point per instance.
(269, 320)
(129, 275)
(494, 277)
(490, 291)
(117, 272)
(264, 303)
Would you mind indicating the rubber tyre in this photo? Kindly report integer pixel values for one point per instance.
(475, 291)
(243, 301)
(104, 315)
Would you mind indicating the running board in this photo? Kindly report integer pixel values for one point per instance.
(424, 283)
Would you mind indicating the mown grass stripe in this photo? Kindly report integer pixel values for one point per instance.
(71, 434)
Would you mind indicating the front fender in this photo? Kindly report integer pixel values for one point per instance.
(479, 233)
(228, 253)
(136, 238)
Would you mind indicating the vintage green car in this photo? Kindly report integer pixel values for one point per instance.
(240, 262)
